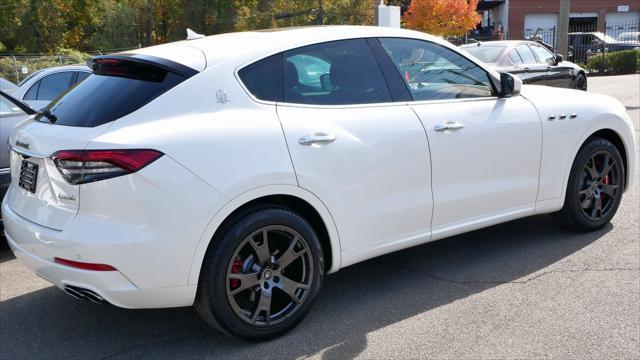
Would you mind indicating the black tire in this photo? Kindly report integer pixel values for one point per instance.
(215, 301)
(580, 82)
(592, 196)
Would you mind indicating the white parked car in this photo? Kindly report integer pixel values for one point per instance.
(234, 171)
(38, 89)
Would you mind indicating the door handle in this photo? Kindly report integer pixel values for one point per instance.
(317, 139)
(448, 126)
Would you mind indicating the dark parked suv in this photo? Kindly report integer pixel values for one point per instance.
(584, 45)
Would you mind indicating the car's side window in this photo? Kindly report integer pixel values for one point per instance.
(526, 54)
(32, 93)
(544, 55)
(81, 76)
(53, 85)
(433, 72)
(263, 78)
(515, 57)
(334, 73)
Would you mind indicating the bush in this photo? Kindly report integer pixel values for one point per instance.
(11, 68)
(620, 62)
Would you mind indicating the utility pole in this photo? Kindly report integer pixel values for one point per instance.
(320, 12)
(563, 28)
(376, 5)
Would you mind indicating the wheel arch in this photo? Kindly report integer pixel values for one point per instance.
(297, 199)
(616, 140)
(612, 132)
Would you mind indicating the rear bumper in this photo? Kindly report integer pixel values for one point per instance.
(33, 245)
(147, 225)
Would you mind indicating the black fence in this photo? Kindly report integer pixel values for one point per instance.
(597, 48)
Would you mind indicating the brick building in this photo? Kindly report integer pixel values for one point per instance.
(521, 17)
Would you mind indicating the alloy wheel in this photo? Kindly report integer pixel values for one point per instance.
(269, 275)
(599, 185)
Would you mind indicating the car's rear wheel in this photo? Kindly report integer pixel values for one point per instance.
(581, 82)
(260, 277)
(595, 186)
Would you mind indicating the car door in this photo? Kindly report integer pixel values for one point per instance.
(48, 88)
(364, 156)
(535, 72)
(485, 150)
(558, 74)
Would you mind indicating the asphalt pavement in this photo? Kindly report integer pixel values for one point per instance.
(525, 289)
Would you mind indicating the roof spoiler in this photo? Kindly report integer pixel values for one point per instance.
(158, 62)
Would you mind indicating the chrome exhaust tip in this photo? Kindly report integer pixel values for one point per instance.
(71, 291)
(84, 294)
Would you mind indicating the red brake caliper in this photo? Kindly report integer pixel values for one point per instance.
(236, 267)
(605, 181)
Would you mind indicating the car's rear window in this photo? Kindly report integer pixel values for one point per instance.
(487, 54)
(116, 88)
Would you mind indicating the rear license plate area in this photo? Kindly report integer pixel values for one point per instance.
(28, 176)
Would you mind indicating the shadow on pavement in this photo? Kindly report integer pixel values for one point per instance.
(355, 301)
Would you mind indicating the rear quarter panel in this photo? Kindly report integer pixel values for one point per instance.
(234, 146)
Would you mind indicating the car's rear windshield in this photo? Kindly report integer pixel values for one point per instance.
(114, 89)
(487, 54)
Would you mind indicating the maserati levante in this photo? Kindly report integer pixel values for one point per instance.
(233, 172)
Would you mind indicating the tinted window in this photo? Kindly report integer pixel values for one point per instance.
(32, 93)
(82, 75)
(115, 89)
(310, 68)
(264, 78)
(543, 54)
(53, 85)
(515, 57)
(434, 72)
(526, 54)
(334, 73)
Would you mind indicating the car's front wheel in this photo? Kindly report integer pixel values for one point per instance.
(581, 82)
(261, 275)
(595, 186)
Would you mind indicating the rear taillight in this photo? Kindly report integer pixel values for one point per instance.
(84, 166)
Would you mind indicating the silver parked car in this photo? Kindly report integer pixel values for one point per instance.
(12, 112)
(38, 89)
(7, 86)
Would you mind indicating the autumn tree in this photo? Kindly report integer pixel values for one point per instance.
(442, 17)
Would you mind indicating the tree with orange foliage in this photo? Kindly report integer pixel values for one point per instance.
(442, 17)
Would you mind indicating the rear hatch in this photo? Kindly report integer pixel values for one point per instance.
(118, 86)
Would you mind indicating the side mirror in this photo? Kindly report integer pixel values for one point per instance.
(559, 58)
(509, 85)
(325, 82)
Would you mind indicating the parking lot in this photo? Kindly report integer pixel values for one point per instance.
(523, 289)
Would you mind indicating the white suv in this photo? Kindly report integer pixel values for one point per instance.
(234, 171)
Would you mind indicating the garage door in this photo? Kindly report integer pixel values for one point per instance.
(621, 22)
(544, 24)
